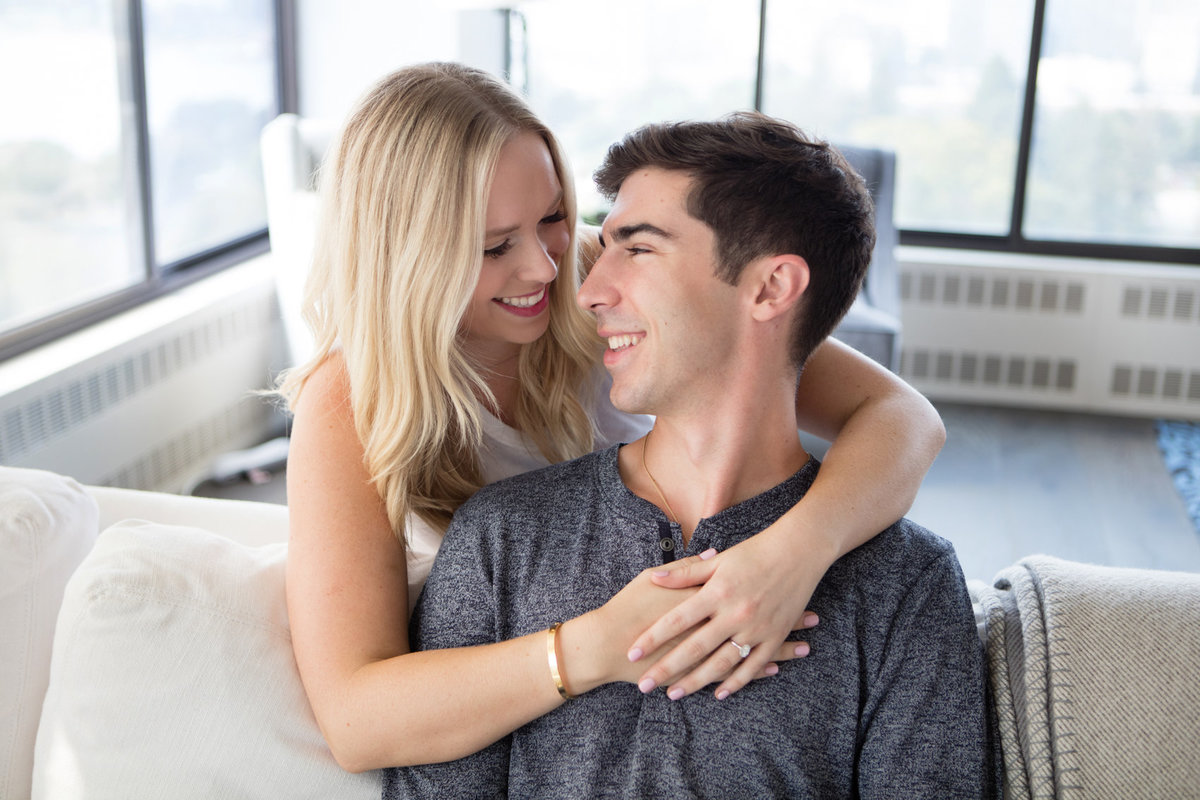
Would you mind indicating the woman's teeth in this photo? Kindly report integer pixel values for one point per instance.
(524, 302)
(624, 340)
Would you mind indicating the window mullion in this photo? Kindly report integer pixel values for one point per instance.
(135, 134)
(1025, 144)
(285, 56)
(761, 64)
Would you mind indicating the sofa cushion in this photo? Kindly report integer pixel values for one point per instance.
(47, 525)
(173, 676)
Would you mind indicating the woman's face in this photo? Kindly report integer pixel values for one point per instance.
(525, 238)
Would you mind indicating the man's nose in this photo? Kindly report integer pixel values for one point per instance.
(596, 290)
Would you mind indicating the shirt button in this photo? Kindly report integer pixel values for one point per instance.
(667, 545)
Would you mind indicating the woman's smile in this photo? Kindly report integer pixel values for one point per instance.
(528, 305)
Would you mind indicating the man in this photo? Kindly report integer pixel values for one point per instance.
(733, 248)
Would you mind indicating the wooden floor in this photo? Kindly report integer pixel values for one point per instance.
(1013, 482)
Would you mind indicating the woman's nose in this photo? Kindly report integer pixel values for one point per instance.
(542, 264)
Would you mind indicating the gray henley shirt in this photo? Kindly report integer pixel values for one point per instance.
(889, 704)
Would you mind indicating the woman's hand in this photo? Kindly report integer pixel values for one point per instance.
(595, 647)
(752, 594)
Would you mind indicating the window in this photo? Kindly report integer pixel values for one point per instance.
(1047, 126)
(940, 82)
(128, 149)
(597, 71)
(68, 228)
(1116, 130)
(210, 89)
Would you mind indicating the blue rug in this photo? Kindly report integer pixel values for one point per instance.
(1180, 444)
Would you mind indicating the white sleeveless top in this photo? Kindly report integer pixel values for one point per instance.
(507, 452)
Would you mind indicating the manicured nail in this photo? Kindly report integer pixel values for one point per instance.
(721, 695)
(811, 620)
(707, 554)
(675, 693)
(647, 685)
(802, 649)
(635, 654)
(772, 669)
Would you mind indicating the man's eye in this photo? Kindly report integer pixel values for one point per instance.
(499, 250)
(637, 251)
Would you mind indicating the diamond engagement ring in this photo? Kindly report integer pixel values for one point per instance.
(743, 649)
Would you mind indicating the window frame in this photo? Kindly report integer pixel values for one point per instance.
(160, 280)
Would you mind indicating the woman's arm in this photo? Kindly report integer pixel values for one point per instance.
(885, 436)
(376, 703)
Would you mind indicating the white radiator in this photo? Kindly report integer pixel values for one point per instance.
(148, 399)
(1074, 334)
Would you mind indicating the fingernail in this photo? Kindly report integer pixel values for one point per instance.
(772, 669)
(802, 649)
(811, 619)
(675, 693)
(647, 685)
(707, 554)
(721, 695)
(661, 573)
(635, 654)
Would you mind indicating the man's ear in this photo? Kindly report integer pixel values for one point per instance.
(779, 282)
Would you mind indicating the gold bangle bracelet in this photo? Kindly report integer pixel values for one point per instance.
(552, 658)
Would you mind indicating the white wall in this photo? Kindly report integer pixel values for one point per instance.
(345, 46)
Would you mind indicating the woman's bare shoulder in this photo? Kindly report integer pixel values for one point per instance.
(326, 391)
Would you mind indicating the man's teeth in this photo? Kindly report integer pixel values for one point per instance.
(524, 302)
(624, 340)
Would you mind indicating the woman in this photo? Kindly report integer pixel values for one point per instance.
(450, 353)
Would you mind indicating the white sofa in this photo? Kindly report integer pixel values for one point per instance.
(145, 652)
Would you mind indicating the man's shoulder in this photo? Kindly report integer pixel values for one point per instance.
(902, 551)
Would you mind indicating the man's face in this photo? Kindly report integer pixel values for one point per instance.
(668, 319)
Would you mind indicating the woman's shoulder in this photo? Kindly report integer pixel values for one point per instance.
(326, 390)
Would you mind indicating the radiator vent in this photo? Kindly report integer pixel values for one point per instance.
(1068, 333)
(62, 410)
(156, 402)
(1161, 303)
(1154, 382)
(974, 291)
(991, 369)
(178, 456)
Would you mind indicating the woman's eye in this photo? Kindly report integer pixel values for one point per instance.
(499, 250)
(557, 216)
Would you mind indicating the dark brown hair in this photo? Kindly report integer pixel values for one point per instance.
(765, 188)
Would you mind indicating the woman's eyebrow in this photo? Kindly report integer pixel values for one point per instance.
(492, 234)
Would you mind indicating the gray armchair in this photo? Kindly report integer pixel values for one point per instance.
(872, 325)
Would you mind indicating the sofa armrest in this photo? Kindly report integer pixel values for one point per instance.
(243, 521)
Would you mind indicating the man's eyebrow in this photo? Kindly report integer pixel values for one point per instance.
(629, 231)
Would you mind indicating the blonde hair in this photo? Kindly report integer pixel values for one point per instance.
(398, 253)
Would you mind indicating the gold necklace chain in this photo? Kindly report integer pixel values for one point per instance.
(657, 488)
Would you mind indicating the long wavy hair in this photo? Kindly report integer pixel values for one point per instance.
(398, 253)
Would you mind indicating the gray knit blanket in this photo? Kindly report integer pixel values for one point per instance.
(1096, 679)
